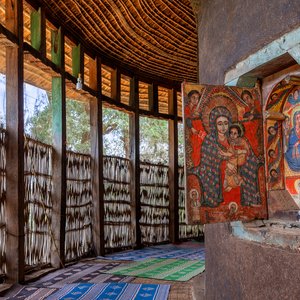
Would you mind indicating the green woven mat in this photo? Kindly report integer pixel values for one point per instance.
(161, 268)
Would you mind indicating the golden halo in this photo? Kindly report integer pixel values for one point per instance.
(216, 101)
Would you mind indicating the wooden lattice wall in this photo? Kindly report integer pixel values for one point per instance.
(78, 240)
(154, 197)
(38, 202)
(117, 206)
(2, 201)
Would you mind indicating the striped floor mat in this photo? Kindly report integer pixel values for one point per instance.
(92, 273)
(112, 291)
(162, 251)
(159, 268)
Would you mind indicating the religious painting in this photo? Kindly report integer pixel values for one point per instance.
(224, 159)
(273, 138)
(282, 137)
(291, 138)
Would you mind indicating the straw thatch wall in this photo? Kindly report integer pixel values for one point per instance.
(79, 204)
(2, 201)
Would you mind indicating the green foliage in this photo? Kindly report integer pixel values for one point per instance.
(154, 145)
(154, 142)
(77, 122)
(115, 133)
(78, 126)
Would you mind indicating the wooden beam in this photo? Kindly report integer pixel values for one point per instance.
(153, 98)
(93, 83)
(15, 258)
(59, 171)
(116, 85)
(173, 169)
(43, 48)
(77, 61)
(97, 164)
(36, 29)
(12, 15)
(134, 133)
(56, 47)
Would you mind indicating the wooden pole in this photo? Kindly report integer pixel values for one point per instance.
(97, 162)
(15, 258)
(173, 168)
(59, 163)
(134, 133)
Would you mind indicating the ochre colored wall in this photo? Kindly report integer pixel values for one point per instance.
(231, 30)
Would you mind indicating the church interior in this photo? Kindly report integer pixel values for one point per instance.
(149, 149)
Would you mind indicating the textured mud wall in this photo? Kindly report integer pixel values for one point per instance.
(237, 269)
(231, 30)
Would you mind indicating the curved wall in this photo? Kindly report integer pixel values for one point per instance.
(231, 30)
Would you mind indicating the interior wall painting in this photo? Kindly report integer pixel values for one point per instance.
(282, 136)
(291, 138)
(224, 161)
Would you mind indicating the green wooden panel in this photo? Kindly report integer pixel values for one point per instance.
(35, 29)
(57, 106)
(76, 60)
(56, 46)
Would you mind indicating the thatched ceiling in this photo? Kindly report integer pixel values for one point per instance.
(157, 37)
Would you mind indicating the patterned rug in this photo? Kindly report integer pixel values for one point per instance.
(110, 291)
(162, 251)
(28, 293)
(93, 273)
(159, 268)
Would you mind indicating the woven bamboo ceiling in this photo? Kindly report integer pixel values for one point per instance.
(156, 37)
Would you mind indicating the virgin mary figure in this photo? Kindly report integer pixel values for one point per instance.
(215, 153)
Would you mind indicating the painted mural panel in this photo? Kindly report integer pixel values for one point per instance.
(274, 157)
(283, 109)
(291, 138)
(225, 177)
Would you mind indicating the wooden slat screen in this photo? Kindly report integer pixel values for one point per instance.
(154, 197)
(185, 231)
(38, 202)
(78, 240)
(117, 202)
(2, 201)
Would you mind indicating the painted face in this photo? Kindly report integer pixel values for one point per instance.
(195, 99)
(248, 99)
(296, 95)
(272, 130)
(222, 125)
(274, 173)
(233, 133)
(272, 153)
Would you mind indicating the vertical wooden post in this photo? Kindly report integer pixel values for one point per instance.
(78, 61)
(43, 47)
(56, 47)
(97, 162)
(173, 168)
(35, 29)
(93, 73)
(15, 258)
(116, 85)
(134, 133)
(59, 161)
(153, 98)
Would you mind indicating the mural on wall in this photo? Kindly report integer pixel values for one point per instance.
(223, 154)
(283, 146)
